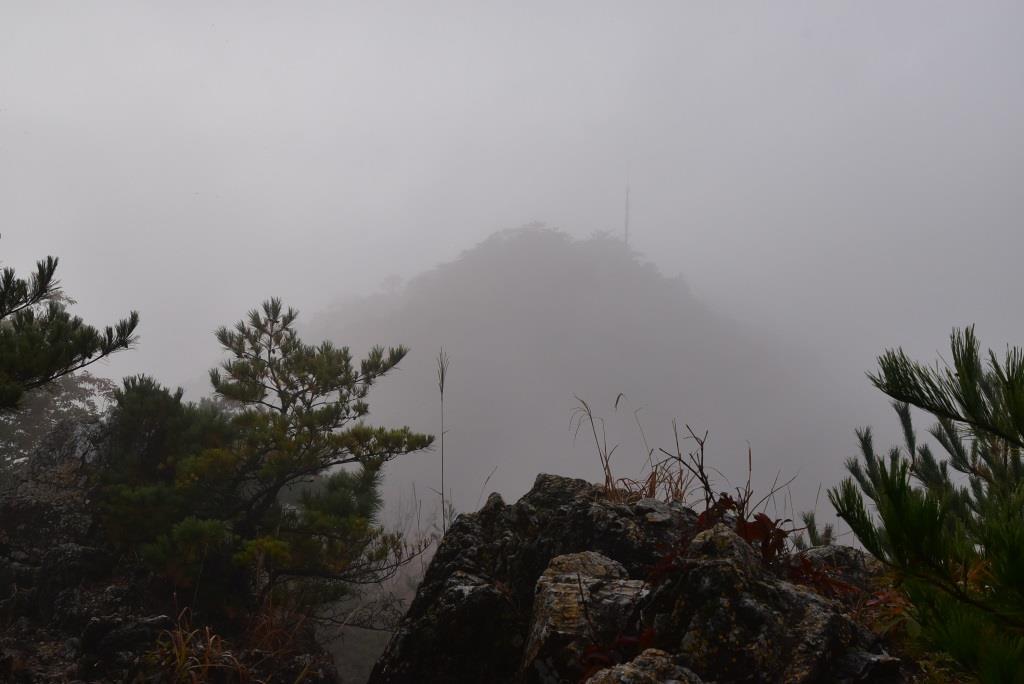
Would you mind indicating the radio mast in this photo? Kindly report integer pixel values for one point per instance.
(627, 214)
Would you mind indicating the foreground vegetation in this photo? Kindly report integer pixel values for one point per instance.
(257, 503)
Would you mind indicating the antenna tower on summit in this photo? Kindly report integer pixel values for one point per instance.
(627, 214)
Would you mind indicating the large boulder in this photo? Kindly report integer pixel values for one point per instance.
(471, 617)
(564, 585)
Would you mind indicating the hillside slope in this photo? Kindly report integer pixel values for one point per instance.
(532, 317)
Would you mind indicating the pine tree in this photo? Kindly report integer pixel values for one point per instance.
(951, 528)
(40, 341)
(302, 417)
(272, 490)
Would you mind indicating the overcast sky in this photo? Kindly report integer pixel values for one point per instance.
(842, 175)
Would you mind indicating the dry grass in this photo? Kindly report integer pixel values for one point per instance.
(672, 476)
(685, 477)
(664, 479)
(443, 362)
(197, 655)
(192, 655)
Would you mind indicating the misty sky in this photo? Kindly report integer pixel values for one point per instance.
(844, 176)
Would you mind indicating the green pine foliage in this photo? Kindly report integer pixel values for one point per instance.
(271, 489)
(149, 433)
(816, 536)
(952, 526)
(40, 341)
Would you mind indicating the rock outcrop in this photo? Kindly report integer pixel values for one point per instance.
(558, 587)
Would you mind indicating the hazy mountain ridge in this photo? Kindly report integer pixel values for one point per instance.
(531, 317)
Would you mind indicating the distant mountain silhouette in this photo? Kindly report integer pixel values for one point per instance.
(531, 317)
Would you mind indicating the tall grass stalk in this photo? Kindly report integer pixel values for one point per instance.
(442, 377)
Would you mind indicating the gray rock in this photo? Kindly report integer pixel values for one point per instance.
(650, 667)
(730, 619)
(556, 584)
(583, 599)
(654, 511)
(506, 548)
(846, 564)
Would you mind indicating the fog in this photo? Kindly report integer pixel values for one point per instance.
(829, 178)
(533, 322)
